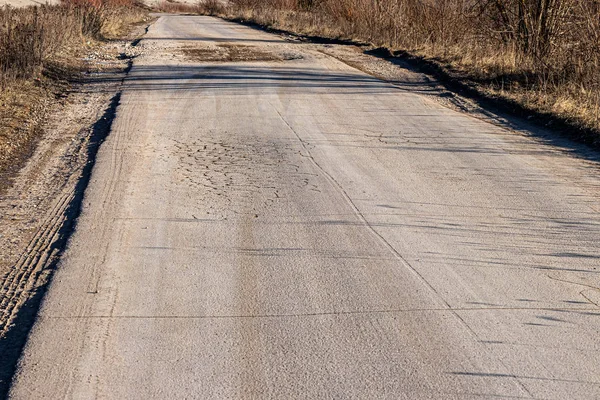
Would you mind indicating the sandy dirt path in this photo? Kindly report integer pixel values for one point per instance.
(265, 221)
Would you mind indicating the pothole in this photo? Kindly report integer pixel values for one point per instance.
(235, 53)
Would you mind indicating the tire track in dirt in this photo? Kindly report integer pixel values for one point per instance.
(23, 287)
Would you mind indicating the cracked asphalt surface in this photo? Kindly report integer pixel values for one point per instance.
(277, 224)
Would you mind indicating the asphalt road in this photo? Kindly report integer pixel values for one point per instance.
(268, 222)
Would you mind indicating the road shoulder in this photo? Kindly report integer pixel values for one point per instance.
(39, 208)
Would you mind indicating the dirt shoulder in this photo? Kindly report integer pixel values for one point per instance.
(39, 205)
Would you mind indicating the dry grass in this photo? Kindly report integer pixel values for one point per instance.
(21, 106)
(37, 46)
(175, 7)
(202, 7)
(30, 37)
(545, 55)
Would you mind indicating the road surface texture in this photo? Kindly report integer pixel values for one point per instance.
(265, 221)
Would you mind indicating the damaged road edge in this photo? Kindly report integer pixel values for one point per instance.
(23, 288)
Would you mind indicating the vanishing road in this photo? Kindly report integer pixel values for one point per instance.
(265, 221)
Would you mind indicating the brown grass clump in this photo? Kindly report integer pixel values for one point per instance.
(203, 7)
(545, 55)
(175, 7)
(212, 7)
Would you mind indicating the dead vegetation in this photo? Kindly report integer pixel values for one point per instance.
(543, 55)
(39, 48)
(204, 7)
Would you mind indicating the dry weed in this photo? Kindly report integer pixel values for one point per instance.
(203, 7)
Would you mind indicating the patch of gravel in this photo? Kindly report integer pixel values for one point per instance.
(229, 53)
(400, 74)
